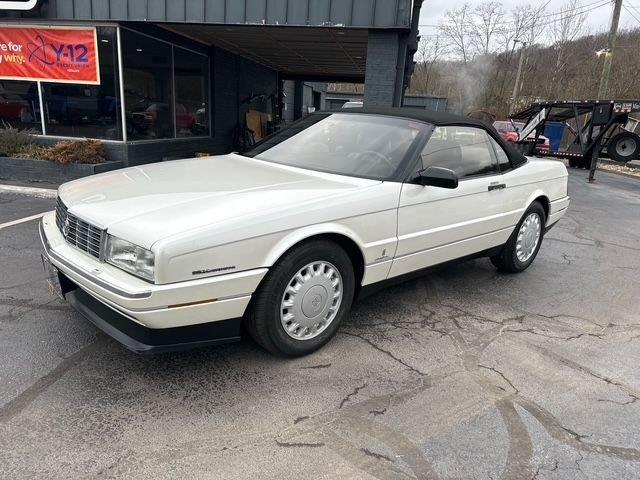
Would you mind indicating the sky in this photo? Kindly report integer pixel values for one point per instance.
(598, 19)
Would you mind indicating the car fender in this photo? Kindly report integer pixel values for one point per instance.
(537, 193)
(301, 234)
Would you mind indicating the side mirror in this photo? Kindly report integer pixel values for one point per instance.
(438, 177)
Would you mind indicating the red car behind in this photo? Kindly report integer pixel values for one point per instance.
(510, 132)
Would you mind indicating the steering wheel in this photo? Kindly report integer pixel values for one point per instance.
(379, 155)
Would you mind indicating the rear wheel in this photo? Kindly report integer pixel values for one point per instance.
(303, 299)
(523, 245)
(624, 147)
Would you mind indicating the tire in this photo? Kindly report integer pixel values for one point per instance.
(573, 163)
(268, 315)
(509, 259)
(624, 147)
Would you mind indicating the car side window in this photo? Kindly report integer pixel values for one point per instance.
(465, 150)
(501, 155)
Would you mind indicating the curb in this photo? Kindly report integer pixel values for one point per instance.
(619, 164)
(622, 174)
(31, 191)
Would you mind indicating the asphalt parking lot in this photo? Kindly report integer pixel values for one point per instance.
(462, 373)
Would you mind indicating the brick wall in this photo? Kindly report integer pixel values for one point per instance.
(382, 72)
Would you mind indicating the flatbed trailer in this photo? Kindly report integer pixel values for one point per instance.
(594, 126)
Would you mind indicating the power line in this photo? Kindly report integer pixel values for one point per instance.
(634, 7)
(513, 30)
(562, 12)
(631, 13)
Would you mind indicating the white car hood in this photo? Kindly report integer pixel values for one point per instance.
(148, 203)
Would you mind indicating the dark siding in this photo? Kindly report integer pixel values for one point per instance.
(319, 11)
(298, 13)
(118, 9)
(385, 15)
(100, 9)
(341, 13)
(214, 10)
(361, 13)
(138, 10)
(175, 10)
(82, 9)
(65, 9)
(194, 11)
(276, 11)
(256, 11)
(235, 12)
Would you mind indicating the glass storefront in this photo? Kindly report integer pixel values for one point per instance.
(166, 94)
(20, 105)
(92, 111)
(151, 71)
(147, 67)
(192, 88)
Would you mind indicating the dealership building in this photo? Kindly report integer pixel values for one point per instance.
(177, 77)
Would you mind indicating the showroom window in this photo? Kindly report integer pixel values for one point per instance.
(191, 72)
(165, 89)
(148, 94)
(152, 69)
(92, 111)
(20, 105)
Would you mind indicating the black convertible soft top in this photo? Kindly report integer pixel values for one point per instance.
(428, 116)
(443, 119)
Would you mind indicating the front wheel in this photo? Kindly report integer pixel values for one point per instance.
(523, 245)
(303, 299)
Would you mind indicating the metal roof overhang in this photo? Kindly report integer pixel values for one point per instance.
(305, 53)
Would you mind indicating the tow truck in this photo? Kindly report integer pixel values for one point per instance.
(593, 128)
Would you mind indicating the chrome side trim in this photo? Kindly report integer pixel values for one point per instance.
(90, 278)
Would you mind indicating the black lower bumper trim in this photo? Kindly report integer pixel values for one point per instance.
(140, 339)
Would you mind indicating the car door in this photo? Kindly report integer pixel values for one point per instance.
(438, 224)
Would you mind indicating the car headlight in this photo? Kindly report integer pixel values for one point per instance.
(130, 257)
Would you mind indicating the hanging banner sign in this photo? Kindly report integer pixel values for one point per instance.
(50, 54)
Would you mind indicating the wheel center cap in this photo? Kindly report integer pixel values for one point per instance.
(529, 239)
(314, 301)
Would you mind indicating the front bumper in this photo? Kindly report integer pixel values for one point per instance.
(144, 316)
(140, 339)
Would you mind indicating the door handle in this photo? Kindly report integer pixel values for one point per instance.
(497, 186)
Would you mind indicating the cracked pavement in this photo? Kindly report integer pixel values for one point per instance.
(461, 373)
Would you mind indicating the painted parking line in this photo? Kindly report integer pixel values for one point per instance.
(34, 192)
(22, 220)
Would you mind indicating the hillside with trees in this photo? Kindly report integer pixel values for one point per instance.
(472, 58)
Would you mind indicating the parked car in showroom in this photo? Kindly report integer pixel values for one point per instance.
(510, 132)
(281, 240)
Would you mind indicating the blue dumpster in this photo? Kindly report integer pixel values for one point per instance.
(554, 132)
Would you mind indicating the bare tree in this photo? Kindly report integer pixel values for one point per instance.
(525, 24)
(526, 27)
(430, 51)
(567, 26)
(456, 28)
(487, 19)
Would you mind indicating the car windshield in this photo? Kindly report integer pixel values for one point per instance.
(359, 145)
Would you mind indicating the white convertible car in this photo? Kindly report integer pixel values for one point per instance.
(280, 241)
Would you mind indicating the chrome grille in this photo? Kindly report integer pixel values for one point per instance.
(79, 233)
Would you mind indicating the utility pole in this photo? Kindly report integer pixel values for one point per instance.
(611, 45)
(516, 87)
